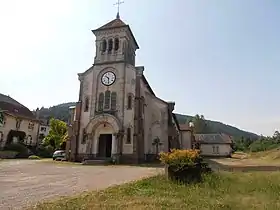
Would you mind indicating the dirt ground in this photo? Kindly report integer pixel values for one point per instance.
(26, 182)
(245, 165)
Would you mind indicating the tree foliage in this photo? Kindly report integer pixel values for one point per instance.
(219, 127)
(200, 125)
(261, 144)
(57, 134)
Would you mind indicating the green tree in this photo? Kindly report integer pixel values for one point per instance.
(57, 135)
(200, 125)
(1, 118)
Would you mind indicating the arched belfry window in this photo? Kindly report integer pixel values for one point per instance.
(110, 47)
(86, 105)
(129, 101)
(100, 101)
(117, 44)
(107, 99)
(104, 46)
(113, 101)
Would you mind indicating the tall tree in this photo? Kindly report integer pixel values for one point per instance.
(57, 135)
(200, 125)
(1, 118)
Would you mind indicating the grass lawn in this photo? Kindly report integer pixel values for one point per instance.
(258, 190)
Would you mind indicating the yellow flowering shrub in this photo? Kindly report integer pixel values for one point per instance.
(181, 158)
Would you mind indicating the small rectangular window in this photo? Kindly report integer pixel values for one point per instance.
(86, 105)
(128, 136)
(129, 102)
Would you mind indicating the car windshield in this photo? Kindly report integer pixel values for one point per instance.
(58, 152)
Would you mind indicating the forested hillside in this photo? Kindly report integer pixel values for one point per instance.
(61, 112)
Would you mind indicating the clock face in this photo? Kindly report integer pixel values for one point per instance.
(108, 78)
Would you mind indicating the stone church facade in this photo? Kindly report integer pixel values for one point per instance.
(118, 115)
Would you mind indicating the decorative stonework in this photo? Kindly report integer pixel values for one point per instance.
(103, 119)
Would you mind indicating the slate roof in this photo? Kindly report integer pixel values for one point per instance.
(213, 138)
(11, 106)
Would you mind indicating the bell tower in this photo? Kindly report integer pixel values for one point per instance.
(115, 43)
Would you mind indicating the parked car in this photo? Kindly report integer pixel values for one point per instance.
(59, 155)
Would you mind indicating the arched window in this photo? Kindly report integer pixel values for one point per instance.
(86, 105)
(110, 43)
(113, 101)
(117, 44)
(128, 136)
(104, 45)
(107, 99)
(100, 101)
(129, 101)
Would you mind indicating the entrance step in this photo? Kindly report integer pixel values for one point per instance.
(96, 162)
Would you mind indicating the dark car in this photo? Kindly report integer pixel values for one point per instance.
(59, 155)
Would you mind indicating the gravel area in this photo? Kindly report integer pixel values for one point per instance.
(26, 182)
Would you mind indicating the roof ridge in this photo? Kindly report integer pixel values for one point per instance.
(117, 22)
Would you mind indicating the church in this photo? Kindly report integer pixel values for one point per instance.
(118, 116)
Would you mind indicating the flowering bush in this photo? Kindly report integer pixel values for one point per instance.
(184, 165)
(180, 158)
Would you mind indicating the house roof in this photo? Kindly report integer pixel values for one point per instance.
(213, 138)
(184, 127)
(116, 23)
(8, 99)
(11, 106)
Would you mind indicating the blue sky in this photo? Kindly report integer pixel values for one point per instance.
(222, 57)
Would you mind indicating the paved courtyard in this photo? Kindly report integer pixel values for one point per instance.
(26, 182)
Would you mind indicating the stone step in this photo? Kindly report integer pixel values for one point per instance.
(95, 162)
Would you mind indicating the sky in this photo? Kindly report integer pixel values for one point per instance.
(222, 57)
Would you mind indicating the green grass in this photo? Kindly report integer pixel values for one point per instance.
(258, 190)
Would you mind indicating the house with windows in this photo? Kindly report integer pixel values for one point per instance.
(18, 124)
(216, 145)
(44, 130)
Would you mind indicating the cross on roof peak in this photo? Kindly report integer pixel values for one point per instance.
(118, 3)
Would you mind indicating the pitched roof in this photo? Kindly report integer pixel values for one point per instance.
(213, 138)
(11, 106)
(112, 24)
(8, 99)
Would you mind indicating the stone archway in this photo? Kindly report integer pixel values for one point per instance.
(103, 119)
(101, 131)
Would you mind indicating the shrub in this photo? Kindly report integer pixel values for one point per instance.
(184, 165)
(180, 158)
(34, 157)
(17, 147)
(45, 151)
(8, 154)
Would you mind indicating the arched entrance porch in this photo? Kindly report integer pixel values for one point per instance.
(102, 139)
